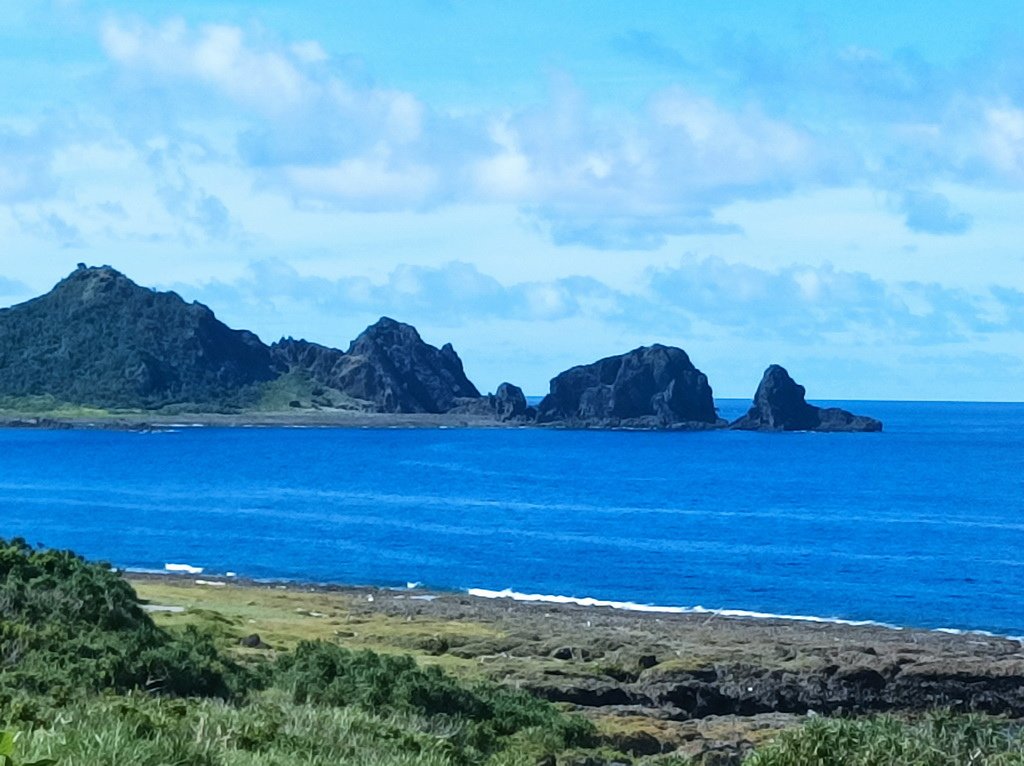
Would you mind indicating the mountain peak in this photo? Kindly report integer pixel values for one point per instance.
(97, 338)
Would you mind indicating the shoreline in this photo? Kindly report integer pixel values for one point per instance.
(692, 682)
(508, 597)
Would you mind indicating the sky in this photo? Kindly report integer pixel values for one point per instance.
(834, 187)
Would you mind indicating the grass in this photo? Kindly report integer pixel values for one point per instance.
(285, 617)
(938, 739)
(48, 406)
(280, 394)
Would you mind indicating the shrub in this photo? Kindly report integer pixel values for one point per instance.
(938, 739)
(325, 674)
(68, 626)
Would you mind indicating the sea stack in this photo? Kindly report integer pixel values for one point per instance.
(649, 387)
(779, 405)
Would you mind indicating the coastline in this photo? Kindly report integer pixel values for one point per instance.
(142, 422)
(185, 575)
(670, 679)
(343, 419)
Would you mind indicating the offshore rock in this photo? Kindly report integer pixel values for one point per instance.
(388, 366)
(99, 339)
(650, 387)
(509, 403)
(779, 405)
(506, 405)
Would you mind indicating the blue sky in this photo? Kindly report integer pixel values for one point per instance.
(838, 188)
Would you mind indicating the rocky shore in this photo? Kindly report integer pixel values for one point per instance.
(703, 685)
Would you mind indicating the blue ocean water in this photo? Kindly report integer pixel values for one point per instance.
(921, 525)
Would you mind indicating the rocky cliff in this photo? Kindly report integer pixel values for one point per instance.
(100, 339)
(649, 387)
(389, 366)
(779, 405)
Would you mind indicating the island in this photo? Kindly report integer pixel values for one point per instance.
(99, 350)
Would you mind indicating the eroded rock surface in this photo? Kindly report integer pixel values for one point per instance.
(649, 387)
(389, 366)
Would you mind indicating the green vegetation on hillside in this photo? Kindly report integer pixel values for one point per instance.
(100, 340)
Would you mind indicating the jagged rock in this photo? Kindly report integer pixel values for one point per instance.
(507, 404)
(779, 405)
(649, 387)
(389, 366)
(100, 339)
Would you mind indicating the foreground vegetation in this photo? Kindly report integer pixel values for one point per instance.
(87, 677)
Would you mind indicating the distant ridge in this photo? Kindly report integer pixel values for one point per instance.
(98, 340)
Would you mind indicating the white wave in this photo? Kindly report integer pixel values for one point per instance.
(211, 583)
(979, 633)
(413, 585)
(185, 568)
(633, 607)
(739, 613)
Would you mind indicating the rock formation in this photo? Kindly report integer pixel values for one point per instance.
(388, 366)
(100, 339)
(649, 387)
(779, 405)
(506, 405)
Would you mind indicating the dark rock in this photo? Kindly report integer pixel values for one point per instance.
(779, 405)
(388, 366)
(587, 692)
(100, 339)
(572, 653)
(646, 661)
(253, 641)
(509, 402)
(649, 387)
(506, 405)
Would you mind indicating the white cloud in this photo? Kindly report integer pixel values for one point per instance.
(216, 55)
(1003, 140)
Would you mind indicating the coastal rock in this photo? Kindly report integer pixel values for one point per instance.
(649, 387)
(779, 405)
(99, 339)
(506, 405)
(510, 403)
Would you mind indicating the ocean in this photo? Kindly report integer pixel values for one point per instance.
(921, 525)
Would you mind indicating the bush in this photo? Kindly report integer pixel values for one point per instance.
(938, 739)
(326, 674)
(68, 626)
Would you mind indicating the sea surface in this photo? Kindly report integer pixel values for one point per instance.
(921, 525)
